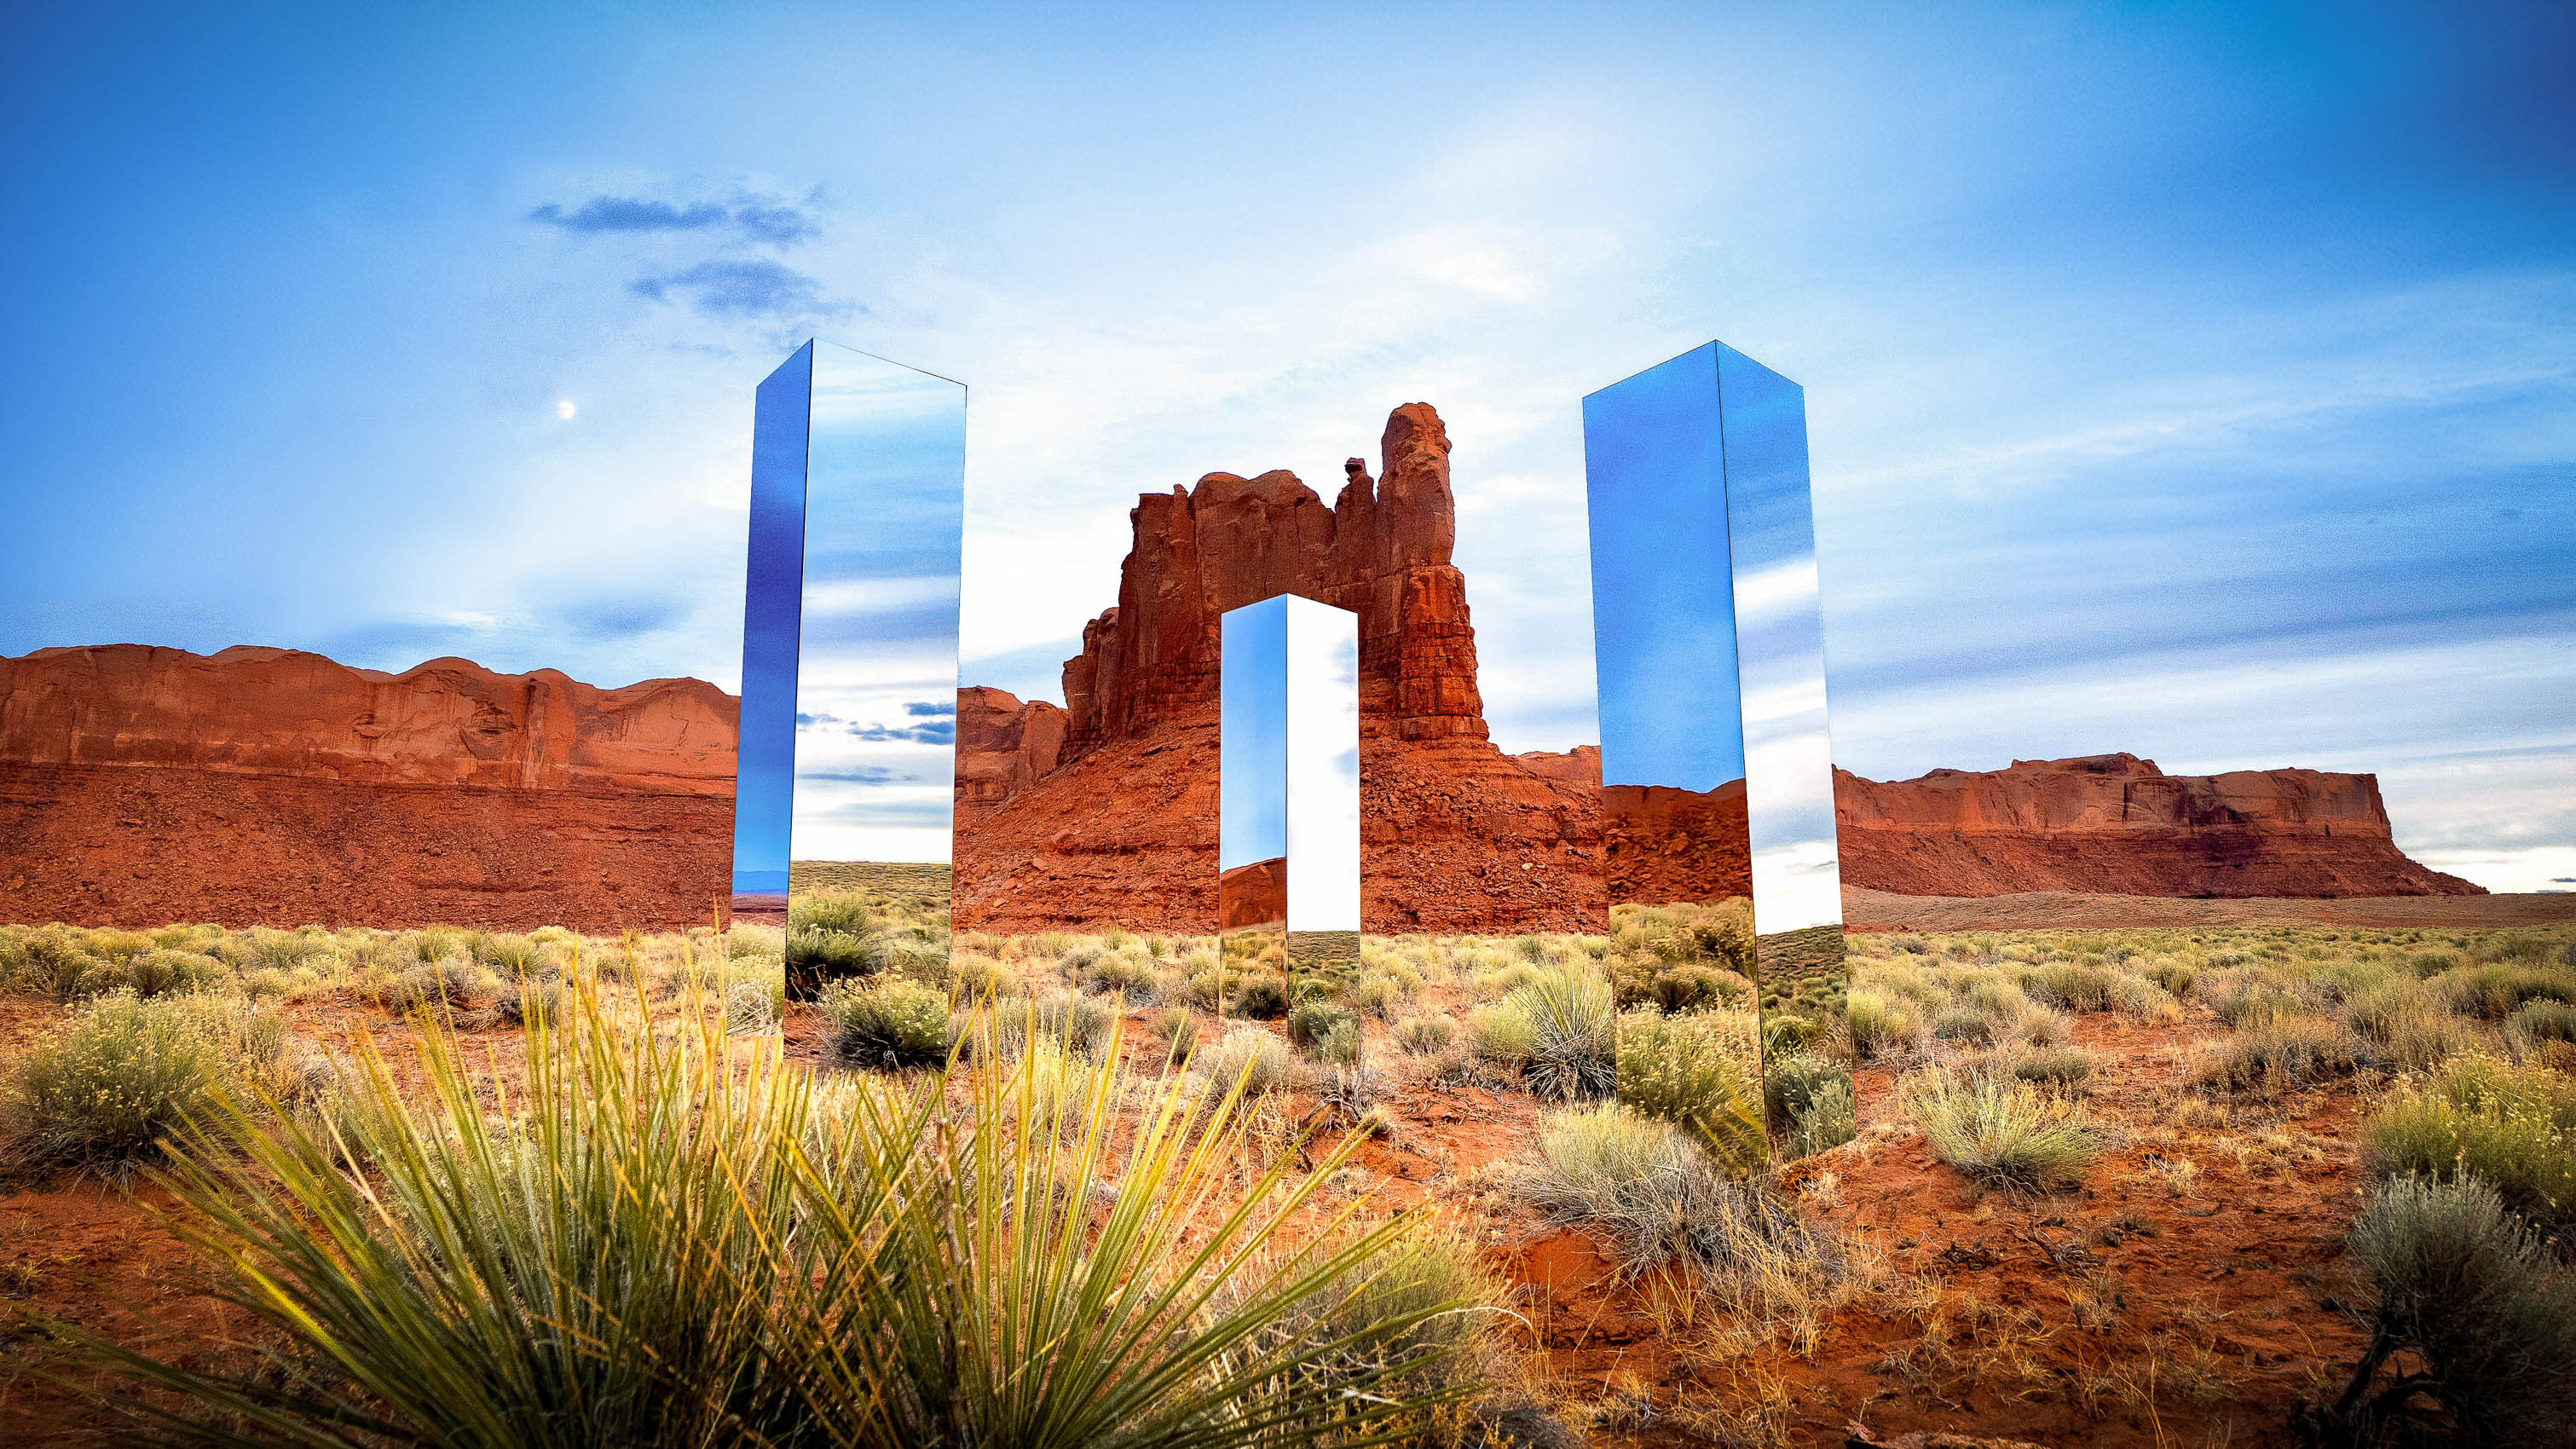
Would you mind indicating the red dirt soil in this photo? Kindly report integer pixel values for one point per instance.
(2042, 1318)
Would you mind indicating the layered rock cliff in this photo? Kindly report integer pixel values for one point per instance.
(144, 785)
(1121, 829)
(1662, 844)
(2117, 825)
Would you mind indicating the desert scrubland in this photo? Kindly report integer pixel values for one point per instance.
(2189, 1186)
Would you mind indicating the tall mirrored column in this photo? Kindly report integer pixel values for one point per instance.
(1717, 776)
(1288, 836)
(849, 714)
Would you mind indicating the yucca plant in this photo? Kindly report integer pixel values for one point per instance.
(1037, 1285)
(692, 1242)
(1573, 1018)
(593, 1260)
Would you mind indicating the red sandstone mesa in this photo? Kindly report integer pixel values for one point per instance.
(1254, 895)
(144, 785)
(2117, 825)
(1455, 835)
(1664, 844)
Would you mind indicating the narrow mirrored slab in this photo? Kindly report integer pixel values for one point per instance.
(1716, 773)
(1252, 806)
(1323, 787)
(1288, 793)
(1674, 845)
(1789, 772)
(843, 810)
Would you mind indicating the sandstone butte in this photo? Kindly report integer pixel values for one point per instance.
(2117, 825)
(140, 786)
(1103, 812)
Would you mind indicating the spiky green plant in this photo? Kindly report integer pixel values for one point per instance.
(691, 1242)
(1010, 1298)
(1573, 1017)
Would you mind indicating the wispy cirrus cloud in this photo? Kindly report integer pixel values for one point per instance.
(776, 223)
(752, 287)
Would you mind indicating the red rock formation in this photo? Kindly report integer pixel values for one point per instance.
(1381, 551)
(1003, 746)
(1254, 895)
(1662, 844)
(268, 786)
(2117, 825)
(1454, 835)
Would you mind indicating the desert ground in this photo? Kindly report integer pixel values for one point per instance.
(2094, 1186)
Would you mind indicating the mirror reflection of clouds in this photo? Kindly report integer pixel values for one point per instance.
(1664, 626)
(859, 475)
(1252, 739)
(1780, 643)
(773, 585)
(1323, 784)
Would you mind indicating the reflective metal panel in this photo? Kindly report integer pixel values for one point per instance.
(859, 499)
(1288, 832)
(1717, 775)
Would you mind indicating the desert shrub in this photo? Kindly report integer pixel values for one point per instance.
(1790, 1082)
(2543, 1021)
(1966, 1024)
(2070, 986)
(267, 985)
(1261, 997)
(2247, 994)
(1340, 1046)
(1425, 1303)
(1133, 976)
(974, 976)
(1648, 1188)
(888, 1023)
(1310, 1023)
(1573, 1039)
(1080, 1022)
(2374, 1013)
(452, 983)
(1423, 1035)
(123, 1078)
(2176, 977)
(2496, 989)
(1376, 994)
(1252, 1056)
(530, 997)
(2276, 1053)
(1693, 1072)
(1828, 1118)
(511, 955)
(1881, 1024)
(1996, 1130)
(1508, 979)
(2426, 1037)
(1502, 1035)
(2050, 1066)
(2478, 1301)
(2511, 1127)
(1177, 1028)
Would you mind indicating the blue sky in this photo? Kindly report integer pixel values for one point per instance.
(2189, 380)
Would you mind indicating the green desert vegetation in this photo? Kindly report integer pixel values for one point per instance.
(2430, 1060)
(848, 1258)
